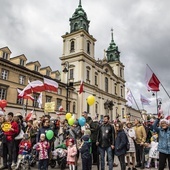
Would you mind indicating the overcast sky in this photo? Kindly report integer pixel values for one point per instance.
(141, 31)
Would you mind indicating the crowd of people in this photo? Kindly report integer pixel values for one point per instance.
(137, 144)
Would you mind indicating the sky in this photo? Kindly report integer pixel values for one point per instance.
(141, 31)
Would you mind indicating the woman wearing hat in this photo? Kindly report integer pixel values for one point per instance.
(130, 132)
(164, 141)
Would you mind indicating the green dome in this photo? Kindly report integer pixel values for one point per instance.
(79, 12)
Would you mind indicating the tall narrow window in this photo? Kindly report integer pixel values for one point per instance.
(88, 108)
(121, 91)
(5, 56)
(72, 48)
(123, 113)
(21, 62)
(59, 91)
(75, 27)
(21, 79)
(106, 84)
(88, 47)
(35, 68)
(4, 74)
(74, 107)
(35, 103)
(59, 103)
(47, 73)
(71, 73)
(121, 72)
(48, 98)
(115, 90)
(20, 101)
(95, 80)
(96, 108)
(3, 92)
(88, 75)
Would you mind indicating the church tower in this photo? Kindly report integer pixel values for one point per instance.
(100, 77)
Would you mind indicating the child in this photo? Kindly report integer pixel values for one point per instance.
(24, 147)
(85, 150)
(42, 148)
(71, 154)
(153, 152)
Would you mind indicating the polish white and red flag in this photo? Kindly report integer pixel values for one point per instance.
(50, 85)
(81, 87)
(26, 96)
(144, 100)
(61, 108)
(29, 116)
(39, 100)
(36, 86)
(27, 90)
(152, 82)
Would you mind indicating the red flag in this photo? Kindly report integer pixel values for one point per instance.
(50, 85)
(81, 87)
(61, 108)
(152, 82)
(36, 86)
(29, 116)
(25, 91)
(24, 95)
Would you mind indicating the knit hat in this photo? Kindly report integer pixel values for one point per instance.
(164, 120)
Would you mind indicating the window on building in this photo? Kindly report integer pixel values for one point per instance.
(3, 92)
(88, 108)
(95, 79)
(59, 91)
(72, 46)
(74, 107)
(71, 73)
(22, 62)
(88, 75)
(4, 74)
(20, 101)
(48, 98)
(59, 103)
(47, 73)
(115, 90)
(121, 72)
(96, 108)
(35, 103)
(88, 47)
(5, 55)
(123, 113)
(35, 68)
(21, 79)
(106, 85)
(121, 90)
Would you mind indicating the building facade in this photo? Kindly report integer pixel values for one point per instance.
(102, 78)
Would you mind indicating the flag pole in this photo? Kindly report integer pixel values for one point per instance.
(136, 105)
(160, 83)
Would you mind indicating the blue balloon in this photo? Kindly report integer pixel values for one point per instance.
(82, 121)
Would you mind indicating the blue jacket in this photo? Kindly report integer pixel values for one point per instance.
(120, 143)
(164, 138)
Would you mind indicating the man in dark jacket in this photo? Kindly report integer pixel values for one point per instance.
(105, 142)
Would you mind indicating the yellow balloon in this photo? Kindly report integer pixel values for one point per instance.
(90, 100)
(68, 116)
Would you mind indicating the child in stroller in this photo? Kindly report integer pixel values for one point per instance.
(23, 156)
(60, 156)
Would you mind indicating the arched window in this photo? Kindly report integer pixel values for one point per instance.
(106, 84)
(74, 107)
(72, 46)
(75, 27)
(88, 47)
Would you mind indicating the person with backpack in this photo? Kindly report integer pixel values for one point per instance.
(121, 142)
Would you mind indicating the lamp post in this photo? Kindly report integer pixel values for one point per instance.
(66, 70)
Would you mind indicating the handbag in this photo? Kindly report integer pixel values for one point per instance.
(20, 135)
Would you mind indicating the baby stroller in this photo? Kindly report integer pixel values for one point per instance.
(23, 163)
(33, 156)
(60, 156)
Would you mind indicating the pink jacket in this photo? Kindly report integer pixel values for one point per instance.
(71, 153)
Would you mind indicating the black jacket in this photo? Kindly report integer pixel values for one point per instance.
(106, 135)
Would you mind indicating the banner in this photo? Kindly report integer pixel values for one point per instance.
(49, 107)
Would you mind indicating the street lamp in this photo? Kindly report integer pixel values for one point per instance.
(66, 70)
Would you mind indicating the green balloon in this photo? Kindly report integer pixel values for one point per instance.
(49, 134)
(71, 121)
